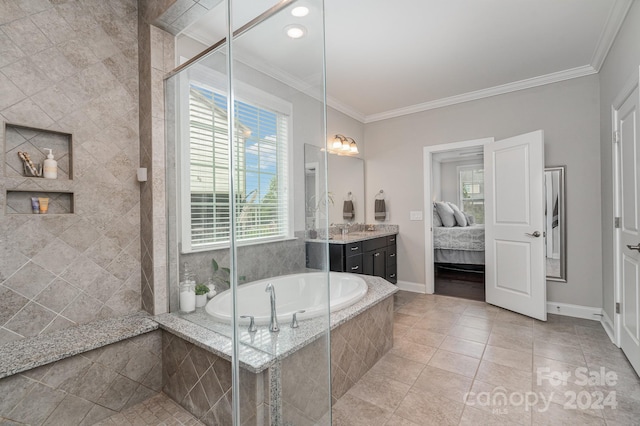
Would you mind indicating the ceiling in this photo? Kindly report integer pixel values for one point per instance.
(388, 59)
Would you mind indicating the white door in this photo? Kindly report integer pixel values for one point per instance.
(628, 250)
(514, 224)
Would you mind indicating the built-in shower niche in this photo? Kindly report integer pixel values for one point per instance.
(21, 185)
(35, 142)
(19, 202)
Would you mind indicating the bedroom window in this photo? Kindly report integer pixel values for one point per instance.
(262, 147)
(471, 190)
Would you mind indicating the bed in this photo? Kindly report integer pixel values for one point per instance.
(459, 245)
(457, 239)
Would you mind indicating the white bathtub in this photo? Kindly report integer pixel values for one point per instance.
(293, 293)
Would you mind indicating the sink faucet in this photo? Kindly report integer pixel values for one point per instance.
(273, 325)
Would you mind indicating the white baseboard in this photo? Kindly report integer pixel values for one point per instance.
(576, 311)
(607, 324)
(413, 287)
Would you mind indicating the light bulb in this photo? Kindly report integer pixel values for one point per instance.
(337, 143)
(295, 31)
(300, 11)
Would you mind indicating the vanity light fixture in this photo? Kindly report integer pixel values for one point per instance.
(343, 145)
(337, 142)
(300, 11)
(353, 148)
(295, 31)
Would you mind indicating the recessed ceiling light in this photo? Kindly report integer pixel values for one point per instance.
(300, 11)
(295, 31)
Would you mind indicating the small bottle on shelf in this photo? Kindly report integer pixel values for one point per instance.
(50, 169)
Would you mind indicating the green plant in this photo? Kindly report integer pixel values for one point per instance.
(225, 273)
(201, 289)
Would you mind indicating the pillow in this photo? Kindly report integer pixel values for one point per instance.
(461, 219)
(446, 214)
(436, 217)
(470, 219)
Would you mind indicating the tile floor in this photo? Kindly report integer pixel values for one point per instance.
(445, 348)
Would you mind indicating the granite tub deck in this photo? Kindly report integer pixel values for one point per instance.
(280, 372)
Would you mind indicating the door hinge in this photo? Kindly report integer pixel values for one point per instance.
(618, 308)
(616, 222)
(616, 137)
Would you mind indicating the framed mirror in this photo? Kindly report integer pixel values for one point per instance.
(555, 224)
(345, 182)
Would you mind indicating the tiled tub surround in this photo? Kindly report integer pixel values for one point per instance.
(255, 262)
(289, 364)
(85, 388)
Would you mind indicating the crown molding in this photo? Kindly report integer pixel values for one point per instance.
(485, 93)
(346, 109)
(616, 17)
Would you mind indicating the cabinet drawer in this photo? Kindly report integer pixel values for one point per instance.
(391, 240)
(391, 255)
(354, 264)
(392, 275)
(353, 248)
(374, 244)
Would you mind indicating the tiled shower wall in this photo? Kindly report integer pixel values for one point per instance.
(72, 66)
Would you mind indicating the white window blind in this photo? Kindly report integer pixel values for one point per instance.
(471, 190)
(261, 165)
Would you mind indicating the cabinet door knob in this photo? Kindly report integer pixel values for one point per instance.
(355, 268)
(392, 255)
(354, 248)
(376, 254)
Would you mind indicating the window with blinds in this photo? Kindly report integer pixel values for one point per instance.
(261, 165)
(471, 190)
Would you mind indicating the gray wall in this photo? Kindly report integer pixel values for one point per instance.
(569, 114)
(621, 64)
(449, 179)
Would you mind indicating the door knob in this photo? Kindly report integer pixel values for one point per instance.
(536, 234)
(636, 247)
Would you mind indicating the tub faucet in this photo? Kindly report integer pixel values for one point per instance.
(273, 325)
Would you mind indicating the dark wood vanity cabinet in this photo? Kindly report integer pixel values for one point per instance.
(376, 256)
(380, 258)
(346, 257)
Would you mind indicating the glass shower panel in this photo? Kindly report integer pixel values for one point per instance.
(238, 209)
(278, 90)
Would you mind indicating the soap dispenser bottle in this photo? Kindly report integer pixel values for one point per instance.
(50, 169)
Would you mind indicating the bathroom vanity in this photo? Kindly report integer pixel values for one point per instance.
(363, 252)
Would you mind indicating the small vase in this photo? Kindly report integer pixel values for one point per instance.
(201, 300)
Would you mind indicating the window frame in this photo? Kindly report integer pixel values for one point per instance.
(250, 95)
(460, 169)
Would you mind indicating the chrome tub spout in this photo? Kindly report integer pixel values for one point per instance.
(273, 325)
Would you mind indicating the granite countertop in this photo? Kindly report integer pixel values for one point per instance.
(359, 235)
(25, 354)
(262, 349)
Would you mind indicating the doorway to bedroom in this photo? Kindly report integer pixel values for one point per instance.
(454, 194)
(458, 222)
